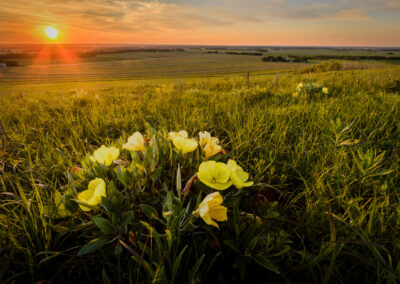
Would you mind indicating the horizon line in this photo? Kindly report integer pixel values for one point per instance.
(211, 45)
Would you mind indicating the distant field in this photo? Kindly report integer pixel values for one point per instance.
(331, 51)
(142, 65)
(123, 56)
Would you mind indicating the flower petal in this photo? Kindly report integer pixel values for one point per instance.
(214, 175)
(223, 173)
(219, 213)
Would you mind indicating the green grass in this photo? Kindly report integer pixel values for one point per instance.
(339, 202)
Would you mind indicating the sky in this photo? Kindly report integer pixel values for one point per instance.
(204, 22)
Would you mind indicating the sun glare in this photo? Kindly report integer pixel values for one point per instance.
(51, 32)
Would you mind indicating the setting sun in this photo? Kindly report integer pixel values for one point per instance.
(51, 32)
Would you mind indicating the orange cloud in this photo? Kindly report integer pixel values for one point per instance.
(262, 22)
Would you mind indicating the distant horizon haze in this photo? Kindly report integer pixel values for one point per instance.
(200, 45)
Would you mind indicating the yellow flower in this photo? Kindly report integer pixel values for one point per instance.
(325, 90)
(135, 142)
(238, 176)
(165, 214)
(185, 145)
(169, 235)
(252, 216)
(212, 149)
(105, 155)
(92, 196)
(205, 137)
(181, 134)
(299, 87)
(295, 95)
(211, 210)
(215, 175)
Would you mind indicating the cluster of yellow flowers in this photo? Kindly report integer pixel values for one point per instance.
(219, 176)
(106, 155)
(216, 175)
(182, 142)
(313, 88)
(97, 187)
(209, 144)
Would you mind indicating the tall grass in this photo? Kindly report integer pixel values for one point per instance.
(335, 160)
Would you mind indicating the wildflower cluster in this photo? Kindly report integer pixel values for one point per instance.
(310, 89)
(134, 188)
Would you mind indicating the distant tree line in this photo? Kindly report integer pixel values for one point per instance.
(235, 53)
(6, 56)
(295, 58)
(93, 53)
(244, 53)
(300, 59)
(125, 50)
(10, 63)
(352, 57)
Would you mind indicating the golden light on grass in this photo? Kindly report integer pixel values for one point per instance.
(51, 32)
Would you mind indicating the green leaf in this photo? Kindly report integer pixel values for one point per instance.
(253, 243)
(123, 176)
(232, 245)
(127, 218)
(382, 173)
(211, 263)
(178, 182)
(266, 263)
(92, 246)
(104, 225)
(118, 249)
(106, 204)
(178, 261)
(155, 175)
(106, 280)
(61, 211)
(149, 211)
(51, 254)
(195, 268)
(242, 269)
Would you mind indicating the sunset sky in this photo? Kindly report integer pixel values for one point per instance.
(245, 22)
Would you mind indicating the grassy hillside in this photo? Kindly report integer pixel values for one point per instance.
(332, 160)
